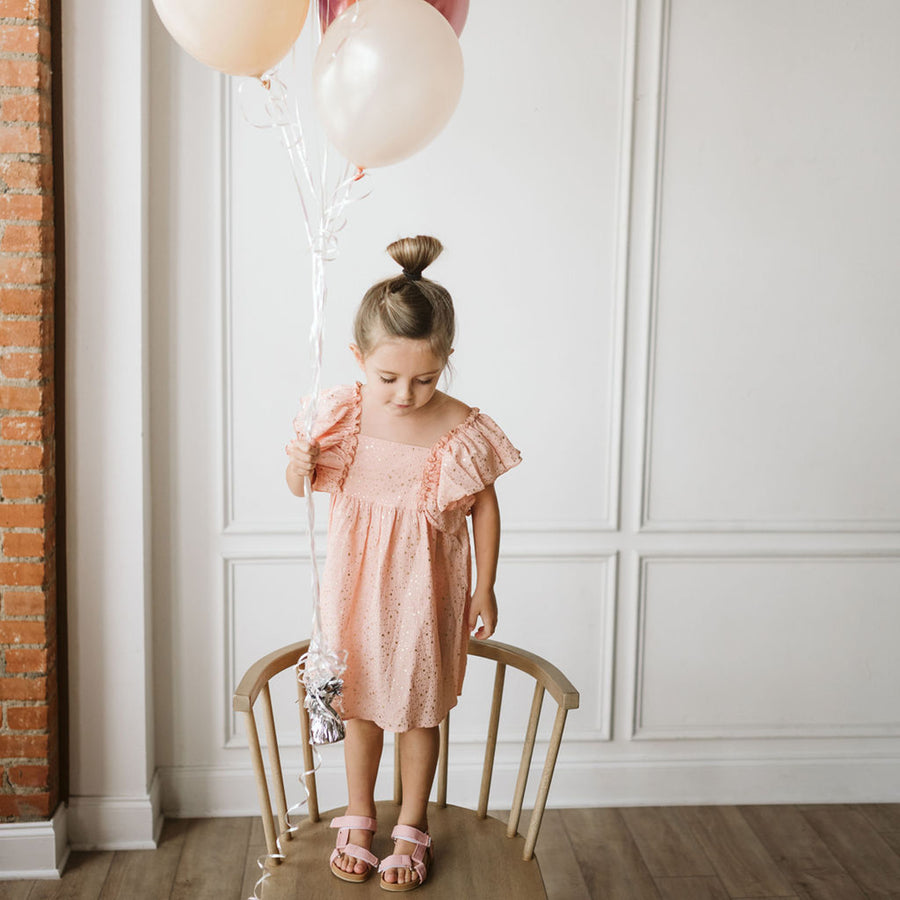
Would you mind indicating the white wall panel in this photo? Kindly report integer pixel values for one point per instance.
(522, 188)
(733, 647)
(269, 606)
(775, 319)
(564, 610)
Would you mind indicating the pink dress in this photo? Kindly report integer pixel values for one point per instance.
(396, 584)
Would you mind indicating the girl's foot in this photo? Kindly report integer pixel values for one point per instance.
(352, 859)
(407, 867)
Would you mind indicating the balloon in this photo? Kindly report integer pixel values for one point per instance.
(454, 11)
(386, 79)
(240, 37)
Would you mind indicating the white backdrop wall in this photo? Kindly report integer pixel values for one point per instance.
(670, 231)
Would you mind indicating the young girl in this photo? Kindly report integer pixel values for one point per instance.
(404, 463)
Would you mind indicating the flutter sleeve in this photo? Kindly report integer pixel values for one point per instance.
(465, 462)
(336, 431)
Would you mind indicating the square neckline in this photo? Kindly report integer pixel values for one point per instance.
(473, 413)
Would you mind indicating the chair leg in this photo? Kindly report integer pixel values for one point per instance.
(262, 788)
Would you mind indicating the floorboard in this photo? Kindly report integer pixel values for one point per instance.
(691, 888)
(739, 858)
(666, 843)
(796, 848)
(83, 879)
(849, 852)
(609, 858)
(861, 850)
(560, 869)
(148, 874)
(212, 860)
(790, 840)
(882, 816)
(15, 890)
(256, 851)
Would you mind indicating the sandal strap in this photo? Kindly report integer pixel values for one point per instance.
(403, 861)
(363, 823)
(356, 852)
(343, 846)
(413, 835)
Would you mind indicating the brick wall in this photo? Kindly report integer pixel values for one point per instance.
(29, 728)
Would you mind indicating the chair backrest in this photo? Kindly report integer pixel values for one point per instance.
(548, 680)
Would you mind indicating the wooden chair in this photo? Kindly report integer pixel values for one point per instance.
(476, 855)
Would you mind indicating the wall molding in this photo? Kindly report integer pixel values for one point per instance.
(652, 258)
(34, 850)
(227, 303)
(772, 731)
(647, 523)
(730, 526)
(234, 737)
(609, 521)
(117, 823)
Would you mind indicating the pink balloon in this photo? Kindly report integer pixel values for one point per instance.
(454, 11)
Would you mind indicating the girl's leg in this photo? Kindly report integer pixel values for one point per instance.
(362, 753)
(418, 760)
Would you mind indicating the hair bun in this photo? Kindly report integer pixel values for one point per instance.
(415, 254)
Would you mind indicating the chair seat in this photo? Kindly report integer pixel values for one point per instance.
(473, 859)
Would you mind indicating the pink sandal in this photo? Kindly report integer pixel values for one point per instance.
(422, 857)
(343, 847)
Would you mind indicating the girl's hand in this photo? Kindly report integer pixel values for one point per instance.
(302, 458)
(484, 606)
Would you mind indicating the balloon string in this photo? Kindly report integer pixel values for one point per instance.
(287, 827)
(323, 219)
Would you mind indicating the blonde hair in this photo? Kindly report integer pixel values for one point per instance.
(408, 305)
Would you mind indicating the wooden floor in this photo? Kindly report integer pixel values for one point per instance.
(672, 853)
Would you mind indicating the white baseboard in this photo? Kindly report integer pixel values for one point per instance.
(33, 850)
(192, 791)
(116, 823)
(205, 791)
(725, 782)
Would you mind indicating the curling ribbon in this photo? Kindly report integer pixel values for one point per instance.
(319, 669)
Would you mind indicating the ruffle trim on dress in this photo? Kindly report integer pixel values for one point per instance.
(468, 459)
(336, 431)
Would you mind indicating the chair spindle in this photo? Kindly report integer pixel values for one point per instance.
(444, 730)
(527, 752)
(309, 774)
(398, 783)
(490, 748)
(540, 801)
(274, 759)
(262, 789)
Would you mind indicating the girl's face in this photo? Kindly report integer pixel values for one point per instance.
(401, 373)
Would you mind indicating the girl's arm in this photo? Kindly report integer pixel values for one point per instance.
(486, 533)
(302, 463)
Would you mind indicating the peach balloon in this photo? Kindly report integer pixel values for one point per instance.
(240, 37)
(454, 11)
(387, 77)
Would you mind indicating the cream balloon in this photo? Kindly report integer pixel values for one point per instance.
(240, 37)
(387, 77)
